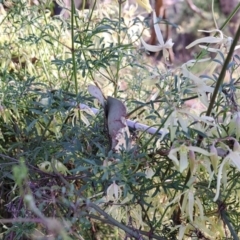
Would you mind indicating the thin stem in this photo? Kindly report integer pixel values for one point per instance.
(221, 28)
(214, 19)
(119, 43)
(223, 72)
(126, 229)
(156, 133)
(83, 50)
(21, 220)
(83, 4)
(45, 130)
(229, 224)
(91, 13)
(149, 234)
(73, 48)
(230, 16)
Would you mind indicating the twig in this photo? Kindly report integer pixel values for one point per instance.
(21, 220)
(229, 224)
(15, 160)
(145, 233)
(195, 8)
(223, 72)
(132, 232)
(128, 230)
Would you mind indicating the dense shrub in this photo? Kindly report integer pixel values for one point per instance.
(78, 160)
